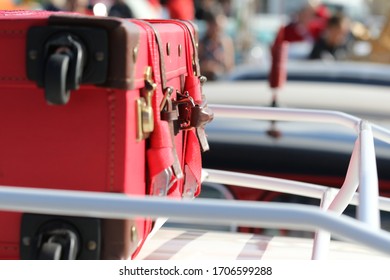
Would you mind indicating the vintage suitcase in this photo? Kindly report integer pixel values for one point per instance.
(95, 104)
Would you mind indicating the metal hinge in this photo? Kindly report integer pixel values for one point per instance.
(145, 119)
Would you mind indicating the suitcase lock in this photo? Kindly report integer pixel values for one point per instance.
(144, 107)
(190, 114)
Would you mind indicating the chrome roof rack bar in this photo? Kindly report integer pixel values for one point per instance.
(257, 214)
(362, 171)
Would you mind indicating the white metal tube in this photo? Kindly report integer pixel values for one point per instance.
(283, 114)
(384, 204)
(368, 183)
(322, 238)
(264, 183)
(259, 214)
(279, 185)
(381, 133)
(351, 183)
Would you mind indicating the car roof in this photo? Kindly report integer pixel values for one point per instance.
(319, 71)
(366, 101)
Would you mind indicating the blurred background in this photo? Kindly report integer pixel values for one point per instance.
(336, 55)
(241, 32)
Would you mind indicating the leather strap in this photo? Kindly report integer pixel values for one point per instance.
(160, 154)
(192, 158)
(176, 163)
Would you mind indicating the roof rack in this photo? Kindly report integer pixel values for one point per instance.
(326, 220)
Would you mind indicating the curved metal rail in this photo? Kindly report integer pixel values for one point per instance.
(258, 214)
(362, 170)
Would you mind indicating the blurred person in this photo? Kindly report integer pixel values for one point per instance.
(54, 5)
(318, 24)
(307, 24)
(297, 30)
(202, 7)
(333, 42)
(227, 7)
(78, 6)
(216, 50)
(120, 9)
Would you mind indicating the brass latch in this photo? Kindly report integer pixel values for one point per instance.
(144, 107)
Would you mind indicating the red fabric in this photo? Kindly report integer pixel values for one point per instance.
(317, 26)
(278, 74)
(291, 33)
(193, 152)
(193, 158)
(279, 52)
(181, 9)
(160, 152)
(323, 12)
(294, 32)
(192, 85)
(89, 144)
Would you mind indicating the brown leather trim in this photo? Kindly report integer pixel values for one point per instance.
(119, 241)
(161, 54)
(123, 39)
(194, 40)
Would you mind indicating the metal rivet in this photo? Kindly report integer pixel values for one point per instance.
(26, 241)
(168, 49)
(33, 54)
(99, 56)
(134, 235)
(135, 53)
(203, 80)
(179, 50)
(91, 245)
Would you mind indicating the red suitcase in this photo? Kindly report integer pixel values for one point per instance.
(96, 104)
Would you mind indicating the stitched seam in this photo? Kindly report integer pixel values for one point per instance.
(13, 79)
(8, 247)
(12, 32)
(112, 100)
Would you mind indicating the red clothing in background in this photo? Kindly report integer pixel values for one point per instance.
(181, 9)
(297, 32)
(318, 24)
(293, 32)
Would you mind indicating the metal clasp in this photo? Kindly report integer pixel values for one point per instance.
(163, 182)
(192, 115)
(185, 105)
(145, 117)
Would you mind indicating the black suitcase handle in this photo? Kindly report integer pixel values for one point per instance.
(64, 68)
(61, 58)
(61, 244)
